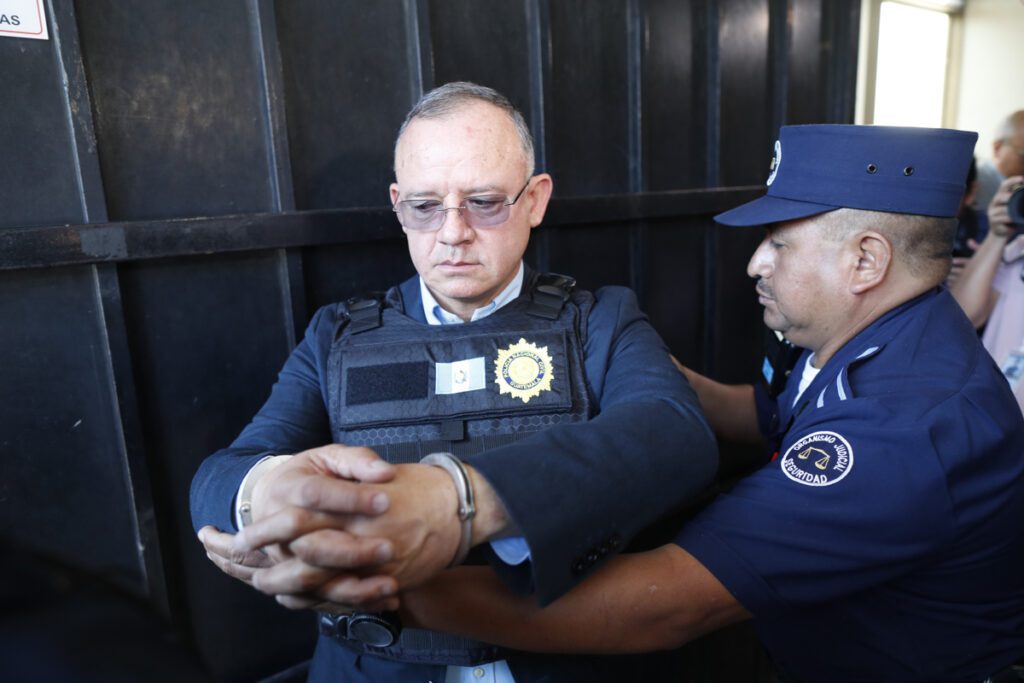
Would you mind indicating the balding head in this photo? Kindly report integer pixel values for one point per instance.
(445, 100)
(1008, 147)
(1010, 126)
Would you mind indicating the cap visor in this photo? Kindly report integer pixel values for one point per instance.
(768, 209)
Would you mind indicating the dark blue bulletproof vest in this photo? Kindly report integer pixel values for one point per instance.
(406, 389)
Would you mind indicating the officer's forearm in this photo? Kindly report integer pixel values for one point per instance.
(973, 289)
(730, 408)
(637, 603)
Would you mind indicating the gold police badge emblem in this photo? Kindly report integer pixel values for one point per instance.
(523, 370)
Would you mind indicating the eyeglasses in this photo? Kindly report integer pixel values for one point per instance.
(479, 211)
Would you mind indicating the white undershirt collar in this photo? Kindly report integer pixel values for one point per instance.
(806, 377)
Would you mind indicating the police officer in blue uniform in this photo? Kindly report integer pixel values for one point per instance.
(542, 423)
(883, 538)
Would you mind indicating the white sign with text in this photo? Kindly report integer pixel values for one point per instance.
(23, 19)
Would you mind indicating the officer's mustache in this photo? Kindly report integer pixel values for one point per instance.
(764, 290)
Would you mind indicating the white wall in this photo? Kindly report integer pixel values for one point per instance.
(991, 68)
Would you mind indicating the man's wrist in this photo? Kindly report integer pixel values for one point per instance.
(466, 508)
(247, 491)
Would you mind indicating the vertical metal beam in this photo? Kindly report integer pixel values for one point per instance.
(779, 41)
(107, 293)
(954, 67)
(713, 104)
(867, 60)
(538, 44)
(711, 270)
(841, 32)
(267, 51)
(78, 108)
(131, 440)
(712, 75)
(635, 45)
(419, 48)
(538, 59)
(266, 48)
(292, 281)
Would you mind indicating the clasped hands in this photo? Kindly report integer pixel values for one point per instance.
(337, 528)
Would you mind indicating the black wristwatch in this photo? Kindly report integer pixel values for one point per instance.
(377, 629)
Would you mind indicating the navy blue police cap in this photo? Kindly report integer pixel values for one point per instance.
(821, 168)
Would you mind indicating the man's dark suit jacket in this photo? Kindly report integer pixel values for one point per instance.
(577, 492)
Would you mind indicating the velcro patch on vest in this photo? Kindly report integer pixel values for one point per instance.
(391, 382)
(466, 377)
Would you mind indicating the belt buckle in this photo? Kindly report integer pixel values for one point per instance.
(373, 630)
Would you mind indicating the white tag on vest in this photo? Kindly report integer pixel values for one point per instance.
(460, 376)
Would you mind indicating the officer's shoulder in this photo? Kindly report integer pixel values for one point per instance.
(914, 375)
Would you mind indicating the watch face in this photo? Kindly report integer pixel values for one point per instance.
(372, 630)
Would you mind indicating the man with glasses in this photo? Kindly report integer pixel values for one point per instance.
(1007, 159)
(575, 428)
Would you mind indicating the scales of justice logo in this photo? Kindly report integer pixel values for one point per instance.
(523, 370)
(818, 459)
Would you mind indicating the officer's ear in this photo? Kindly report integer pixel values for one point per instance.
(873, 253)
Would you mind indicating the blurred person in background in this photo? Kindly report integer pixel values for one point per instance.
(1007, 158)
(991, 288)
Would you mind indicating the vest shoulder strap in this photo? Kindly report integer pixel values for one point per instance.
(364, 312)
(549, 295)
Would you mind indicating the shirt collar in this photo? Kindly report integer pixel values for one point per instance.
(436, 315)
(864, 344)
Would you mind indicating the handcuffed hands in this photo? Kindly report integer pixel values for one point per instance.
(244, 566)
(338, 524)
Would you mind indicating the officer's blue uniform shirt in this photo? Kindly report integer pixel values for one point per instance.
(881, 542)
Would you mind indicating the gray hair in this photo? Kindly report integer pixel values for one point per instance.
(448, 98)
(1009, 126)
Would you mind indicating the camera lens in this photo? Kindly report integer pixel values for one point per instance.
(1015, 205)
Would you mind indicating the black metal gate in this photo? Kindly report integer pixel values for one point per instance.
(183, 182)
